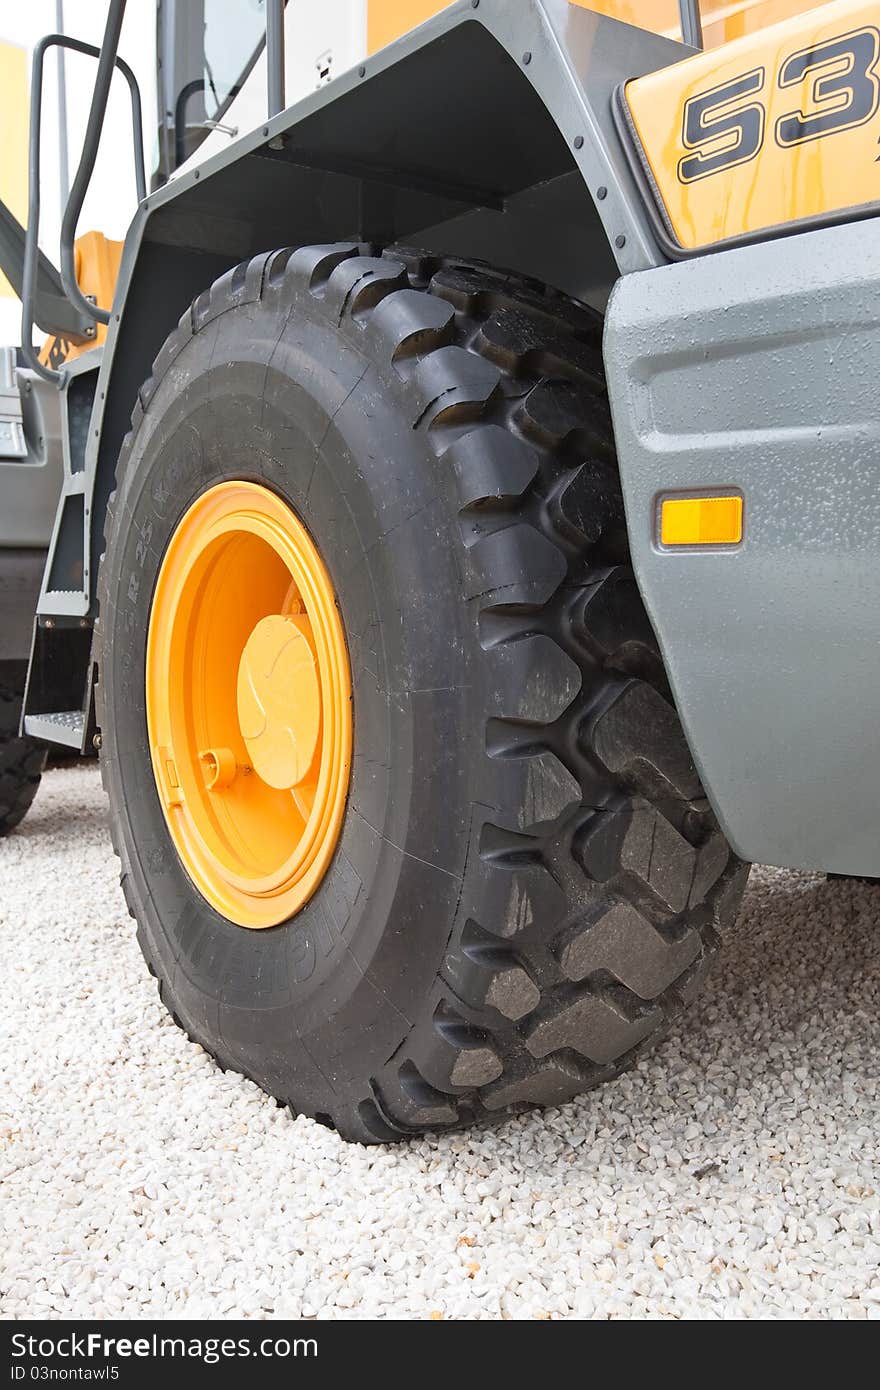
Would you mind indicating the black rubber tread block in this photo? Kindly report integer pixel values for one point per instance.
(690, 986)
(20, 773)
(480, 290)
(512, 992)
(361, 282)
(491, 466)
(624, 943)
(515, 565)
(22, 760)
(431, 1108)
(638, 737)
(452, 386)
(654, 853)
(726, 894)
(241, 285)
(712, 860)
(545, 678)
(499, 981)
(600, 1026)
(608, 615)
(551, 1084)
(413, 323)
(168, 353)
(311, 266)
(521, 343)
(552, 415)
(585, 502)
(456, 1054)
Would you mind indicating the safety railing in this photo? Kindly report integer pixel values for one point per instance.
(275, 54)
(691, 23)
(108, 61)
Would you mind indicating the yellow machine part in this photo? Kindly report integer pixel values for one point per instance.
(723, 20)
(388, 19)
(704, 520)
(13, 146)
(249, 709)
(772, 129)
(97, 266)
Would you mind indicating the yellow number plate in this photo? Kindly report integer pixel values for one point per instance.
(768, 130)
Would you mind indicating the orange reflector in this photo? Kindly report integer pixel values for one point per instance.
(701, 521)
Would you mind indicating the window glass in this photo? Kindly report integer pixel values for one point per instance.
(234, 30)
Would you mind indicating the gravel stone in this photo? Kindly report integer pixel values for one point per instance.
(732, 1174)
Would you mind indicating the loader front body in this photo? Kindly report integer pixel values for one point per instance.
(469, 561)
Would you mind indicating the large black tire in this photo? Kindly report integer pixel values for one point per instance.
(21, 759)
(529, 883)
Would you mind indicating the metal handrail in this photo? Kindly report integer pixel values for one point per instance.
(275, 55)
(53, 312)
(107, 61)
(183, 96)
(691, 22)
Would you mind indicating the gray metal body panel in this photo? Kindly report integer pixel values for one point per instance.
(756, 369)
(30, 456)
(61, 592)
(30, 484)
(66, 728)
(20, 574)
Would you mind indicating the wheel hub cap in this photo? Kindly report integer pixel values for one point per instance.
(279, 700)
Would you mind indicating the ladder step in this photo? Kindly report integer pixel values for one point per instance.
(66, 727)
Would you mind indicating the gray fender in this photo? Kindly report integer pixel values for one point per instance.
(756, 369)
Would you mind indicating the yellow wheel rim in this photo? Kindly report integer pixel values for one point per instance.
(248, 704)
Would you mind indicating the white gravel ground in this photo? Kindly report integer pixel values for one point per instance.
(733, 1174)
